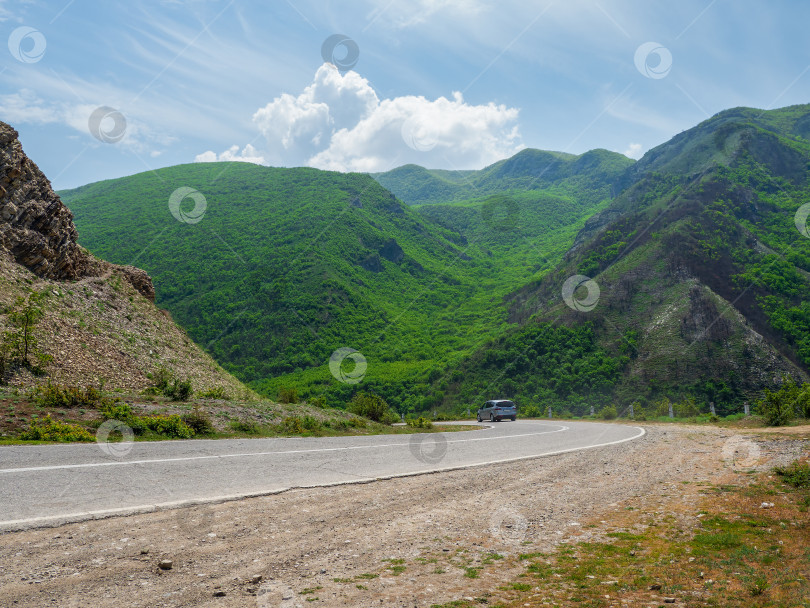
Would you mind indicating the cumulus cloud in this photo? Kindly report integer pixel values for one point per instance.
(339, 123)
(633, 151)
(247, 155)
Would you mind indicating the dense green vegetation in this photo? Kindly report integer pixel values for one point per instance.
(698, 258)
(288, 265)
(702, 270)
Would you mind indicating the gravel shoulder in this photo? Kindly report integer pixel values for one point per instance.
(412, 541)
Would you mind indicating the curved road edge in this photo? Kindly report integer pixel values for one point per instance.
(55, 521)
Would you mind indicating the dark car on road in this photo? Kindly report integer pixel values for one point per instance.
(497, 410)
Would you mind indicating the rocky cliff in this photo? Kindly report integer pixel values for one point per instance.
(99, 324)
(37, 229)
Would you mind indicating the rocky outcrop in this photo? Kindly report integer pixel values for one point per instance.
(37, 228)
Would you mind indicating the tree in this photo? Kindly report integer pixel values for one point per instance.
(25, 315)
(780, 407)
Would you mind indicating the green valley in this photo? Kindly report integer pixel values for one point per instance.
(285, 266)
(453, 291)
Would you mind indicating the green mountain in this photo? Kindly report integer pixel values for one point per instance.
(283, 267)
(701, 281)
(565, 174)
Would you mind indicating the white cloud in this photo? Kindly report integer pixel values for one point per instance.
(339, 123)
(26, 107)
(247, 155)
(633, 151)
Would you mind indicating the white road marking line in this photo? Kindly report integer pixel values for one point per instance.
(102, 514)
(250, 454)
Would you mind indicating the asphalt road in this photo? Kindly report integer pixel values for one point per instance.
(52, 484)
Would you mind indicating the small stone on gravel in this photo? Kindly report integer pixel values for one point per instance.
(165, 564)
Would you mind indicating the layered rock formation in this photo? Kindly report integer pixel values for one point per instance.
(37, 228)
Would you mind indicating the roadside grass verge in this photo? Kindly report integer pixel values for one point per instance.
(741, 553)
(24, 419)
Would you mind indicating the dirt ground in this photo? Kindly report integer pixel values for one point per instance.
(412, 542)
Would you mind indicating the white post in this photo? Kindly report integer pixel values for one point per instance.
(549, 412)
(632, 413)
(593, 413)
(711, 405)
(671, 413)
(747, 409)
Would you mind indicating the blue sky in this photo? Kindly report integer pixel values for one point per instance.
(442, 83)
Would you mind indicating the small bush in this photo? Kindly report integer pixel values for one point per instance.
(292, 425)
(217, 392)
(288, 395)
(198, 421)
(250, 427)
(122, 412)
(608, 413)
(310, 423)
(531, 411)
(47, 429)
(419, 423)
(170, 426)
(179, 390)
(165, 383)
(161, 378)
(370, 406)
(796, 475)
(55, 396)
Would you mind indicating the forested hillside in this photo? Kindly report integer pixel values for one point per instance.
(700, 281)
(283, 267)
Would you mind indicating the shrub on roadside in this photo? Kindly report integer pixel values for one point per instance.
(198, 421)
(780, 407)
(372, 407)
(56, 396)
(122, 412)
(249, 427)
(164, 382)
(47, 429)
(419, 423)
(298, 425)
(531, 411)
(608, 413)
(170, 426)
